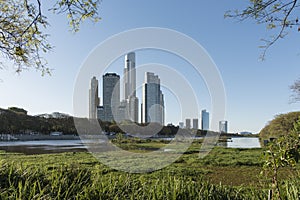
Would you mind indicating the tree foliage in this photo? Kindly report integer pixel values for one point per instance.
(22, 28)
(283, 124)
(278, 15)
(17, 122)
(296, 91)
(282, 152)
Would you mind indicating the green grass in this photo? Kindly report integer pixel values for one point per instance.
(222, 174)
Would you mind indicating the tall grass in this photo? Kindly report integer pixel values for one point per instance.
(80, 176)
(71, 182)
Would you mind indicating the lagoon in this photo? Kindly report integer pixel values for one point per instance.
(59, 146)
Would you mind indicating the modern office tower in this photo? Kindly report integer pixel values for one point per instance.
(111, 95)
(223, 127)
(122, 112)
(204, 120)
(187, 123)
(181, 125)
(129, 76)
(94, 100)
(141, 113)
(130, 88)
(162, 107)
(100, 113)
(133, 108)
(153, 100)
(195, 124)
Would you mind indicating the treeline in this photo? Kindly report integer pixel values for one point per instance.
(13, 122)
(282, 124)
(19, 123)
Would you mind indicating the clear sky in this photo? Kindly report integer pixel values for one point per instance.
(256, 90)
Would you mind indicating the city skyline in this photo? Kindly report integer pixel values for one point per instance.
(256, 90)
(152, 106)
(115, 109)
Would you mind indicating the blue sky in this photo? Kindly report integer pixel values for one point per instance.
(256, 90)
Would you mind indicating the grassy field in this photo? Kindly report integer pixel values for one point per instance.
(223, 174)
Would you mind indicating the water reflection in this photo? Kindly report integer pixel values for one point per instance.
(43, 146)
(59, 146)
(241, 142)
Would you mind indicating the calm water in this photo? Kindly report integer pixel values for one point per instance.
(58, 146)
(43, 146)
(243, 142)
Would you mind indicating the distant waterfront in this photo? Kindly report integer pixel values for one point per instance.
(59, 146)
(43, 146)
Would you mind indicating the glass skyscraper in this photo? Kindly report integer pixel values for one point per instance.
(204, 120)
(111, 96)
(153, 108)
(132, 106)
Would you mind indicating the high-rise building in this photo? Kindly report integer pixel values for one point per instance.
(94, 100)
(111, 95)
(204, 120)
(223, 126)
(153, 100)
(132, 107)
(129, 76)
(121, 112)
(195, 124)
(100, 113)
(181, 125)
(187, 123)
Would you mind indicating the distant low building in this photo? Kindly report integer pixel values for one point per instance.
(245, 133)
(56, 115)
(18, 110)
(56, 133)
(59, 115)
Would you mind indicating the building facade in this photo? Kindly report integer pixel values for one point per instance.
(111, 96)
(181, 125)
(94, 100)
(188, 123)
(195, 124)
(129, 84)
(153, 100)
(100, 113)
(204, 120)
(223, 126)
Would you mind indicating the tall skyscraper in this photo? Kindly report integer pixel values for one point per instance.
(94, 100)
(132, 107)
(204, 120)
(223, 126)
(195, 124)
(153, 100)
(111, 95)
(129, 76)
(187, 123)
